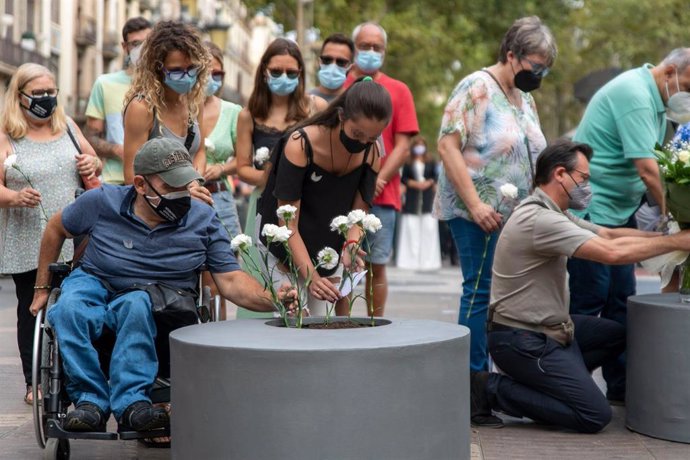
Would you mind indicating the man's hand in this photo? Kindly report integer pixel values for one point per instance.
(40, 300)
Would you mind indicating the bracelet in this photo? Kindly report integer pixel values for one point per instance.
(349, 242)
(42, 286)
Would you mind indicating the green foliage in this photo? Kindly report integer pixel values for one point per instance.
(427, 36)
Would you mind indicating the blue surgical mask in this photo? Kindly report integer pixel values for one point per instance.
(182, 86)
(282, 86)
(332, 76)
(369, 60)
(212, 87)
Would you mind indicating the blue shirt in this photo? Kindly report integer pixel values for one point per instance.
(123, 250)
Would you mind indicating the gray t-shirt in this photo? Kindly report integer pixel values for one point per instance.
(529, 286)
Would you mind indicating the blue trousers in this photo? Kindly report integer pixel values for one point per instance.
(84, 309)
(602, 290)
(472, 242)
(552, 383)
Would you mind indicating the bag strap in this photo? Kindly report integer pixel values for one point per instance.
(74, 140)
(189, 140)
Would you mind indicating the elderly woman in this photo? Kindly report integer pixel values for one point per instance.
(44, 153)
(490, 136)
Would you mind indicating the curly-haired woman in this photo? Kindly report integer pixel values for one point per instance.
(167, 95)
(42, 165)
(277, 103)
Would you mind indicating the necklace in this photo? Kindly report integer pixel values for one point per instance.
(349, 157)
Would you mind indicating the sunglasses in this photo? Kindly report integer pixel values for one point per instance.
(291, 73)
(51, 92)
(218, 75)
(539, 70)
(340, 62)
(178, 74)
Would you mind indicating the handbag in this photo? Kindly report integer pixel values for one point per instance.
(170, 303)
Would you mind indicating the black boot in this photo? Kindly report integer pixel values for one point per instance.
(480, 408)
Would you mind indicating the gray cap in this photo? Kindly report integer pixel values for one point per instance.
(169, 159)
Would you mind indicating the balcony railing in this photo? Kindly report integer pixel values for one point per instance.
(14, 55)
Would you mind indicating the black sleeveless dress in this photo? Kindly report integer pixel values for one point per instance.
(323, 196)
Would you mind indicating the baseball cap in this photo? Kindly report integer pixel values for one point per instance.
(169, 159)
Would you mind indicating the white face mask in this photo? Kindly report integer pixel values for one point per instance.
(134, 55)
(419, 149)
(678, 104)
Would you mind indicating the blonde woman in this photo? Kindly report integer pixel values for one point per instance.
(42, 168)
(167, 95)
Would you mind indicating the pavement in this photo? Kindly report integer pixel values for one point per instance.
(430, 295)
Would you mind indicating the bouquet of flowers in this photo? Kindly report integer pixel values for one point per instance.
(674, 167)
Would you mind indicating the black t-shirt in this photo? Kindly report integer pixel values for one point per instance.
(323, 196)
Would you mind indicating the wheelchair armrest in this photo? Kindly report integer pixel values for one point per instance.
(58, 272)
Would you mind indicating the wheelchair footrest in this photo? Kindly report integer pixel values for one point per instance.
(54, 430)
(157, 433)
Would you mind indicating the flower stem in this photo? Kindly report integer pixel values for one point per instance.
(487, 237)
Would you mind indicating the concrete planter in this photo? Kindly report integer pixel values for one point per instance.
(248, 390)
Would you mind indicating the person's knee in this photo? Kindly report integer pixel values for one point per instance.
(67, 312)
(138, 306)
(597, 419)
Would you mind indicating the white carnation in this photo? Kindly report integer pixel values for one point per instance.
(340, 224)
(241, 242)
(286, 212)
(684, 156)
(328, 258)
(509, 191)
(355, 217)
(208, 143)
(262, 155)
(10, 161)
(371, 223)
(276, 234)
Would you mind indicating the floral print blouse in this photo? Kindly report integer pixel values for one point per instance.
(495, 137)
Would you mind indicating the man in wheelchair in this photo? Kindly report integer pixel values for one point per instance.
(150, 236)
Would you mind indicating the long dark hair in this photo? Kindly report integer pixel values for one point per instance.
(260, 100)
(365, 98)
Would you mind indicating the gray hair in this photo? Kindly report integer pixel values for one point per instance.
(358, 29)
(680, 57)
(529, 36)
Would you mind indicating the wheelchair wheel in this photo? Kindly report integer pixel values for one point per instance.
(40, 366)
(56, 449)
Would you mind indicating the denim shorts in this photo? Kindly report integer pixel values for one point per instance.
(380, 244)
(224, 203)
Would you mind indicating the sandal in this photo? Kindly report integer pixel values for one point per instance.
(29, 396)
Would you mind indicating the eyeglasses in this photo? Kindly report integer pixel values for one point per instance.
(134, 43)
(370, 46)
(340, 62)
(539, 70)
(51, 92)
(291, 73)
(218, 75)
(585, 177)
(178, 73)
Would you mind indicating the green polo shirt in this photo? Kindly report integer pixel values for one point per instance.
(623, 121)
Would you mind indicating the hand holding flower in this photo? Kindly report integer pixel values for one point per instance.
(486, 217)
(26, 198)
(287, 295)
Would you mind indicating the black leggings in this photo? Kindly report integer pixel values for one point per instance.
(24, 286)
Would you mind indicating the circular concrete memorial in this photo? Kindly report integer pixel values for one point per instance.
(658, 367)
(247, 390)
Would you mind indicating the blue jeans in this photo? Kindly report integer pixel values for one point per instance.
(476, 253)
(224, 203)
(84, 308)
(552, 383)
(602, 290)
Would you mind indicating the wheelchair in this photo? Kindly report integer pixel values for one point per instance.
(47, 375)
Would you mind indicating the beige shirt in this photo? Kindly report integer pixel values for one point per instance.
(529, 286)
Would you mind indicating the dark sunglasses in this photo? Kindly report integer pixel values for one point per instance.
(291, 73)
(218, 75)
(178, 74)
(340, 62)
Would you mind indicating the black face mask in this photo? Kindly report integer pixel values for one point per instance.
(526, 81)
(41, 107)
(352, 145)
(172, 206)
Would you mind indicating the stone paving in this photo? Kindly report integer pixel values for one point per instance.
(412, 295)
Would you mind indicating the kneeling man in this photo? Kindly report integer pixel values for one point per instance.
(546, 354)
